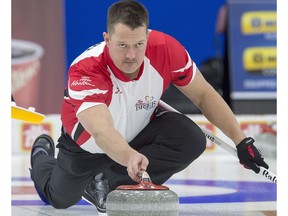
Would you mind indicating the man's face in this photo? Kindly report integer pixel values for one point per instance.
(127, 47)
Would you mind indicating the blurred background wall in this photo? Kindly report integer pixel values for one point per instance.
(39, 84)
(191, 22)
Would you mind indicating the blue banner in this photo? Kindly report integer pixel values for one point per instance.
(252, 49)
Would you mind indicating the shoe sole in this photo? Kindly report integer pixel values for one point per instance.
(89, 199)
(51, 142)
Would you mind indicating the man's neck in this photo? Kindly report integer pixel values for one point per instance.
(132, 76)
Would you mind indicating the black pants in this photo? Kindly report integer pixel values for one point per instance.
(170, 141)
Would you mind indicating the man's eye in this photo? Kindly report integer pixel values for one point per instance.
(140, 44)
(122, 46)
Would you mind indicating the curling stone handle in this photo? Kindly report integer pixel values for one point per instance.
(145, 184)
(144, 176)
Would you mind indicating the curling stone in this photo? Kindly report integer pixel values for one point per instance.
(143, 199)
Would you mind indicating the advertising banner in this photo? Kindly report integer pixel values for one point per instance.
(252, 49)
(263, 128)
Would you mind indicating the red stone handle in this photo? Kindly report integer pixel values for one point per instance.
(145, 184)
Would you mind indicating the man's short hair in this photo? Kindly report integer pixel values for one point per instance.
(128, 12)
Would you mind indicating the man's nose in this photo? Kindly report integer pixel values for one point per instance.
(130, 54)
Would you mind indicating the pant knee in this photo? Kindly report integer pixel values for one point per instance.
(194, 141)
(194, 148)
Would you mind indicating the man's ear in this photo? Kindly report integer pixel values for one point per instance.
(106, 38)
(148, 33)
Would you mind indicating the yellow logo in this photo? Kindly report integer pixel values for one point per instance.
(259, 22)
(259, 58)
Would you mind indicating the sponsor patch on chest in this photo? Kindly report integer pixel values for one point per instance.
(147, 103)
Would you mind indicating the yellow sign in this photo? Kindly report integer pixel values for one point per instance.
(259, 58)
(259, 22)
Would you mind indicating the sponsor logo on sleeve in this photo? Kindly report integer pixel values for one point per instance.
(83, 81)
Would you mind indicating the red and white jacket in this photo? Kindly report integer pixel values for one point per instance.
(93, 79)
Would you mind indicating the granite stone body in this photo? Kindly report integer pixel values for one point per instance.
(142, 203)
